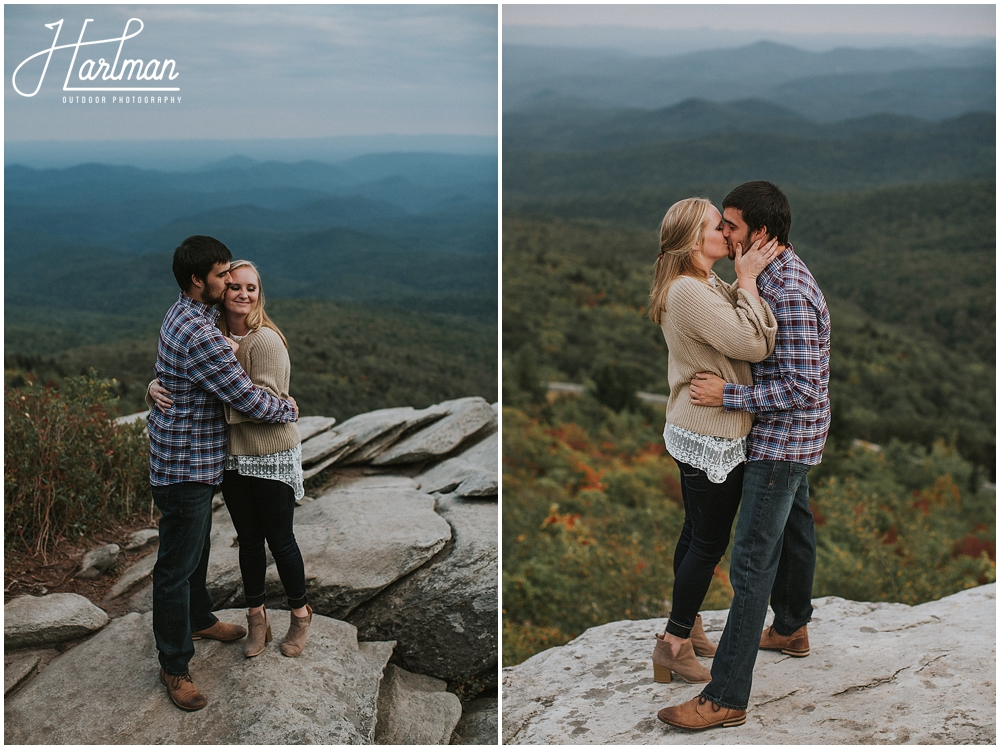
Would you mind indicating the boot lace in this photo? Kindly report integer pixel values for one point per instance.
(175, 681)
(703, 700)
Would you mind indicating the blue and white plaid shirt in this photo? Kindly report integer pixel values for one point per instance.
(790, 397)
(195, 363)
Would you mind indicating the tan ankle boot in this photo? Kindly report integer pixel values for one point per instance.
(684, 664)
(183, 692)
(797, 643)
(295, 640)
(702, 645)
(701, 712)
(259, 633)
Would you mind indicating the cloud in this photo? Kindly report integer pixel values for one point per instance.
(301, 70)
(940, 20)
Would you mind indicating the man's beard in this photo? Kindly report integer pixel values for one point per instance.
(208, 299)
(733, 242)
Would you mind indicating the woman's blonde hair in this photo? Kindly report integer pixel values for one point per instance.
(257, 318)
(681, 231)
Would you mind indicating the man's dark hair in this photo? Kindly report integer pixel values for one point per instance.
(197, 256)
(762, 204)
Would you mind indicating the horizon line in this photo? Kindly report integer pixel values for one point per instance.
(223, 139)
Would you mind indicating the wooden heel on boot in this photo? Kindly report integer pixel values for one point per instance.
(661, 674)
(258, 635)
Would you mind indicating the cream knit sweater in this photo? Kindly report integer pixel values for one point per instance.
(712, 329)
(265, 359)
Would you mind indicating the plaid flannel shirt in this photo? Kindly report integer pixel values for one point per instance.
(790, 397)
(195, 363)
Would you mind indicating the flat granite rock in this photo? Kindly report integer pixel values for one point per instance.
(132, 576)
(377, 481)
(323, 446)
(472, 472)
(142, 600)
(414, 709)
(878, 673)
(374, 431)
(225, 582)
(97, 561)
(480, 723)
(107, 691)
(480, 485)
(466, 416)
(445, 613)
(30, 621)
(356, 539)
(18, 666)
(310, 426)
(143, 538)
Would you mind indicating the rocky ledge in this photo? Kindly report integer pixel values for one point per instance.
(400, 552)
(878, 673)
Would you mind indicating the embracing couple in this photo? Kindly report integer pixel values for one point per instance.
(222, 415)
(748, 415)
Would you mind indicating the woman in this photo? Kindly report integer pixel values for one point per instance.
(263, 476)
(709, 326)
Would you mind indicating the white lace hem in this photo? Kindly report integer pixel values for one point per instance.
(285, 467)
(716, 456)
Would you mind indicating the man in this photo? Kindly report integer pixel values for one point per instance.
(187, 452)
(774, 551)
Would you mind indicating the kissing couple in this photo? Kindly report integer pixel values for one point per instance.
(747, 417)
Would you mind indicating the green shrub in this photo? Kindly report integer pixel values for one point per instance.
(521, 641)
(902, 524)
(68, 468)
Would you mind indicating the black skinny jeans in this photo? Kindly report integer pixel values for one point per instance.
(709, 511)
(262, 509)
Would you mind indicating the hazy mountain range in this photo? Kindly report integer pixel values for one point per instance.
(91, 245)
(930, 83)
(186, 154)
(130, 209)
(659, 42)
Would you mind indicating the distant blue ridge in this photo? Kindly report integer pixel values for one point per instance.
(184, 155)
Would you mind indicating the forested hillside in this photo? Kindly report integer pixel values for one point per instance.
(346, 359)
(391, 259)
(893, 214)
(960, 148)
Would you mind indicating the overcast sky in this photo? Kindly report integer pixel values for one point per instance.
(262, 71)
(703, 25)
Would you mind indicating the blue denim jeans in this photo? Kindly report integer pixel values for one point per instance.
(774, 556)
(709, 511)
(181, 601)
(263, 510)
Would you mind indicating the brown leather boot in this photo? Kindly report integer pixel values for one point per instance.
(702, 645)
(259, 633)
(295, 640)
(220, 631)
(797, 643)
(684, 664)
(183, 692)
(700, 713)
